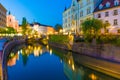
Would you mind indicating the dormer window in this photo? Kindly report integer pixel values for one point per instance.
(116, 2)
(100, 6)
(108, 4)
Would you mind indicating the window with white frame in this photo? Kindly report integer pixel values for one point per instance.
(100, 6)
(106, 14)
(108, 4)
(81, 13)
(115, 12)
(116, 2)
(88, 10)
(115, 22)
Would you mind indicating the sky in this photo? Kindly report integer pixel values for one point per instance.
(47, 12)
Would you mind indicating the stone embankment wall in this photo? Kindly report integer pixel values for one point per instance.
(102, 51)
(6, 51)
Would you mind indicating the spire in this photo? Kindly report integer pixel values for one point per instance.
(65, 8)
(9, 13)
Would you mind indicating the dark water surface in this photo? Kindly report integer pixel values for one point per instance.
(37, 62)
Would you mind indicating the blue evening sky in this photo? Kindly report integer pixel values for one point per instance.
(47, 12)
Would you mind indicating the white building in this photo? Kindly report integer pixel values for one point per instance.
(43, 29)
(109, 11)
(77, 13)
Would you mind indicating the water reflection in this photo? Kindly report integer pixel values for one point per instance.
(72, 69)
(35, 49)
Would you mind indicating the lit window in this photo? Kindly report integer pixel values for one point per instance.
(118, 30)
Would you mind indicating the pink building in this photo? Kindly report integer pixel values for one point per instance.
(109, 11)
(12, 22)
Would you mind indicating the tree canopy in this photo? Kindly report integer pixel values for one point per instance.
(24, 25)
(92, 26)
(58, 27)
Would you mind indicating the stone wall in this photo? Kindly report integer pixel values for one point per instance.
(6, 51)
(103, 51)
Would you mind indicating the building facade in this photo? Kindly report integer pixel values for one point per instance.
(12, 22)
(109, 11)
(79, 11)
(43, 29)
(2, 15)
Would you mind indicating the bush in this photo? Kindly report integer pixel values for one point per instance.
(59, 39)
(106, 39)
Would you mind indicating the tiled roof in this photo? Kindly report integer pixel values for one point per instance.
(37, 23)
(103, 3)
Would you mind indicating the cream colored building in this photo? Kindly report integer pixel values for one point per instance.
(43, 29)
(77, 13)
(2, 16)
(109, 11)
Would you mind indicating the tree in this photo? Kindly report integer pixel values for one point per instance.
(10, 30)
(92, 26)
(24, 25)
(105, 25)
(58, 27)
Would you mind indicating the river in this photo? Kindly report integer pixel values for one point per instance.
(38, 62)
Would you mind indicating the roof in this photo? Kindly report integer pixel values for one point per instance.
(37, 23)
(103, 2)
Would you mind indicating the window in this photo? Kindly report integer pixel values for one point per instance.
(106, 31)
(108, 4)
(118, 30)
(115, 22)
(88, 1)
(116, 2)
(89, 10)
(99, 15)
(81, 13)
(81, 21)
(106, 14)
(100, 6)
(115, 12)
(81, 5)
(106, 22)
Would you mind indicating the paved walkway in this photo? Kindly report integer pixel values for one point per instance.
(110, 68)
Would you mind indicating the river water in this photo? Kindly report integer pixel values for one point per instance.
(38, 62)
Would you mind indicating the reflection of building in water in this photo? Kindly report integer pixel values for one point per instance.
(37, 50)
(13, 58)
(69, 69)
